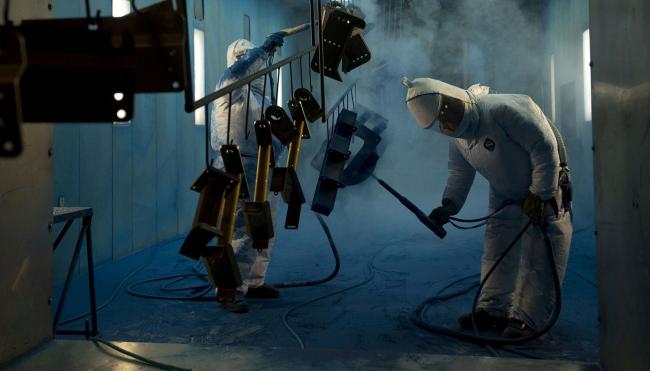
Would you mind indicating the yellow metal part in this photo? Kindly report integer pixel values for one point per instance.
(296, 29)
(294, 147)
(257, 213)
(229, 215)
(223, 258)
(262, 178)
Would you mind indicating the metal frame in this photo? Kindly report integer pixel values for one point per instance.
(69, 215)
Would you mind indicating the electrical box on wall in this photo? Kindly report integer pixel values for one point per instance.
(199, 10)
(247, 27)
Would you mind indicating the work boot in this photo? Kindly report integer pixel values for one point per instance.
(232, 301)
(484, 321)
(263, 292)
(517, 329)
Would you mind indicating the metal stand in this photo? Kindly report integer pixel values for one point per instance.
(69, 215)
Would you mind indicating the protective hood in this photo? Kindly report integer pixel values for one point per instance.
(446, 108)
(236, 49)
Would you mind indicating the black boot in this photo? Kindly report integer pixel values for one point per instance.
(263, 292)
(232, 301)
(484, 321)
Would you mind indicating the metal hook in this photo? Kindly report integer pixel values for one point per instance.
(229, 110)
(291, 75)
(277, 88)
(248, 103)
(135, 8)
(302, 85)
(263, 98)
(311, 84)
(207, 137)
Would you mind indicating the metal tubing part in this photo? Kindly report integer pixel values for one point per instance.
(294, 147)
(230, 214)
(262, 178)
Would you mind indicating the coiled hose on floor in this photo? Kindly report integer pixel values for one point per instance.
(199, 292)
(417, 315)
(337, 261)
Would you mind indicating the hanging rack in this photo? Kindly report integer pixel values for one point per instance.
(192, 105)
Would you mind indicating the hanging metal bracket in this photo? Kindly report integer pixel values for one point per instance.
(233, 163)
(213, 186)
(257, 214)
(339, 43)
(331, 172)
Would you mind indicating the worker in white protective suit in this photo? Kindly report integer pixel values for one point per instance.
(509, 141)
(242, 109)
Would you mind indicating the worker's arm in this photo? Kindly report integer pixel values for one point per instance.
(524, 122)
(242, 67)
(249, 63)
(459, 182)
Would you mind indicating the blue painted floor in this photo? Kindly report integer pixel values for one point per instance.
(405, 269)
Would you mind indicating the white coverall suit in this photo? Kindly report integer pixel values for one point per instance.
(508, 140)
(244, 59)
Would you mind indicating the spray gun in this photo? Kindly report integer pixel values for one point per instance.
(294, 30)
(424, 219)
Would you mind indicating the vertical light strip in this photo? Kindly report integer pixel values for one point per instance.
(121, 8)
(199, 73)
(586, 59)
(552, 77)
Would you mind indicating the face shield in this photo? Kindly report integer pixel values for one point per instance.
(439, 105)
(450, 115)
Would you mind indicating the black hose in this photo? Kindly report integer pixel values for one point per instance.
(337, 264)
(417, 319)
(422, 217)
(478, 219)
(168, 286)
(370, 277)
(200, 291)
(458, 226)
(416, 316)
(108, 301)
(116, 290)
(485, 218)
(194, 297)
(137, 357)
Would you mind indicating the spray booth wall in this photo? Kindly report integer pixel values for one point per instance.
(137, 177)
(565, 26)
